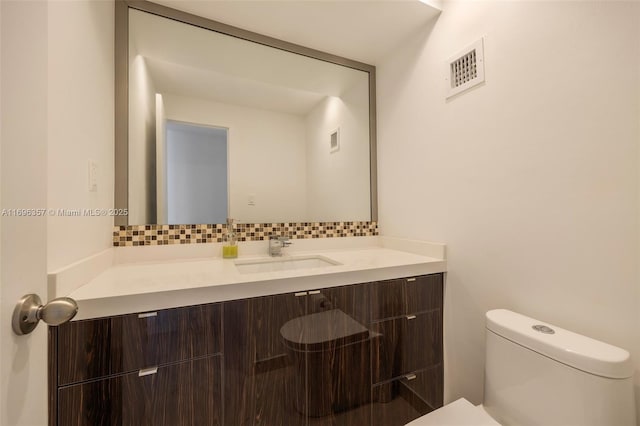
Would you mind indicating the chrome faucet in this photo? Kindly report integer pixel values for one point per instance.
(277, 243)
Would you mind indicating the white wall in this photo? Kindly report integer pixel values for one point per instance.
(255, 136)
(338, 182)
(80, 126)
(142, 143)
(531, 180)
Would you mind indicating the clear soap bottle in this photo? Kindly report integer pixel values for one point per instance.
(230, 242)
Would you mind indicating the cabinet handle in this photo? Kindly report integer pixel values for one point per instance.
(314, 292)
(410, 376)
(410, 280)
(148, 315)
(147, 371)
(302, 293)
(410, 317)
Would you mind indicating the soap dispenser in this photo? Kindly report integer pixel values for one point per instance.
(230, 242)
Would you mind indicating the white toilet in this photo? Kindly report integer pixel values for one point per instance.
(539, 374)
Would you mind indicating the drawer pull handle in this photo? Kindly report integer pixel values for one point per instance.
(410, 317)
(302, 293)
(410, 376)
(147, 371)
(314, 292)
(148, 315)
(410, 280)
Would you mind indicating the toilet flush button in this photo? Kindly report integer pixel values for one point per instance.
(543, 329)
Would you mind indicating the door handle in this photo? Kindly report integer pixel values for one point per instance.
(29, 311)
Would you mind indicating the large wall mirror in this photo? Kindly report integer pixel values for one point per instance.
(213, 122)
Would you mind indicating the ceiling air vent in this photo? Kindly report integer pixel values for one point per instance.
(465, 69)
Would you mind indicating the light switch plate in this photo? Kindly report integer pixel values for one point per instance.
(93, 176)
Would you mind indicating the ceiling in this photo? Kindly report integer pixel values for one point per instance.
(198, 63)
(194, 62)
(361, 30)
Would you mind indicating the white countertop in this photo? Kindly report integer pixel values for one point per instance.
(152, 285)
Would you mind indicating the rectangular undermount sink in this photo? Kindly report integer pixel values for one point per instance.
(288, 263)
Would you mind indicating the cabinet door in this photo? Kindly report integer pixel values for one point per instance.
(423, 293)
(405, 296)
(387, 299)
(353, 300)
(397, 402)
(426, 387)
(96, 348)
(420, 344)
(84, 350)
(265, 380)
(404, 345)
(187, 393)
(166, 336)
(339, 372)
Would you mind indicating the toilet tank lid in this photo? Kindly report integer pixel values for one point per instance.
(575, 350)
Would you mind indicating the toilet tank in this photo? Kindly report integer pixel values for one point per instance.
(552, 376)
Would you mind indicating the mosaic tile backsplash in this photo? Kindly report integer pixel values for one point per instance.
(155, 235)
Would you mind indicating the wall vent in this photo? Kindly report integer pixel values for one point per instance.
(334, 140)
(465, 69)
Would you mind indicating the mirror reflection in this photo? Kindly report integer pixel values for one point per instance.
(223, 127)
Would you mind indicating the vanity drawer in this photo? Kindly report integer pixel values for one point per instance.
(187, 393)
(96, 348)
(423, 293)
(398, 402)
(395, 351)
(394, 298)
(427, 386)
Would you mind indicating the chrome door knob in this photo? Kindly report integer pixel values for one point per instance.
(30, 310)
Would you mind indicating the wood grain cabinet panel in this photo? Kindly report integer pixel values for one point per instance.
(97, 348)
(84, 350)
(391, 407)
(170, 335)
(402, 346)
(420, 342)
(262, 380)
(363, 354)
(353, 300)
(298, 360)
(394, 298)
(402, 400)
(407, 368)
(339, 359)
(387, 299)
(423, 293)
(426, 389)
(187, 393)
(265, 317)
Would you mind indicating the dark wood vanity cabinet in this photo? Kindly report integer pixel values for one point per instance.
(97, 348)
(185, 393)
(363, 354)
(151, 368)
(258, 374)
(407, 371)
